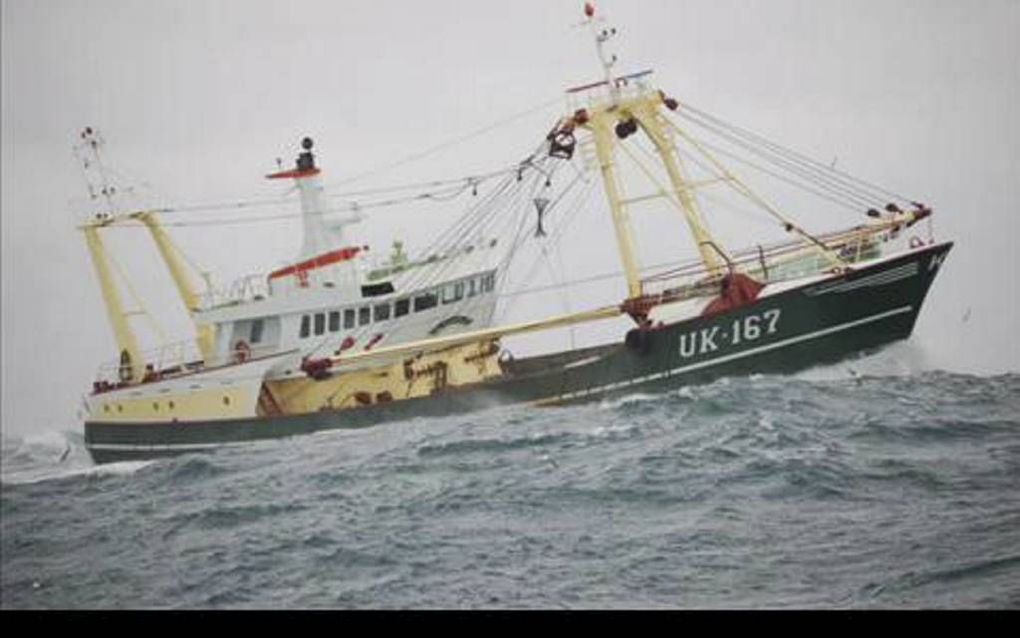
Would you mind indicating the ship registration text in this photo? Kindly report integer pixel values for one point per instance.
(746, 329)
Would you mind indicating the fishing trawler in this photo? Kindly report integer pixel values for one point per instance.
(336, 340)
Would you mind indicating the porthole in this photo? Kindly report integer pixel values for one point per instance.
(120, 408)
(106, 407)
(171, 405)
(226, 400)
(155, 406)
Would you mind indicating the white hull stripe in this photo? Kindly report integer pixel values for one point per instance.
(738, 355)
(574, 395)
(184, 447)
(880, 279)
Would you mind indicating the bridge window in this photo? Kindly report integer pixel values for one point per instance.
(364, 316)
(426, 301)
(306, 326)
(453, 293)
(320, 323)
(334, 321)
(472, 287)
(348, 318)
(257, 327)
(382, 312)
(489, 282)
(402, 307)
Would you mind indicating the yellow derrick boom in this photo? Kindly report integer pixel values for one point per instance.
(172, 256)
(131, 363)
(477, 336)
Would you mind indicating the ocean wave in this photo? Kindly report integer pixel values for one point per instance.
(486, 446)
(54, 455)
(762, 491)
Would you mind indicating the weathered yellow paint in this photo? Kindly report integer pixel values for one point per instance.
(206, 334)
(477, 337)
(645, 110)
(205, 404)
(410, 378)
(122, 332)
(601, 127)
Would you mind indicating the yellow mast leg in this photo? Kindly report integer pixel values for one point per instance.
(205, 334)
(601, 126)
(645, 111)
(132, 364)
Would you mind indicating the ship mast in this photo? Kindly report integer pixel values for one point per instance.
(100, 189)
(106, 209)
(610, 122)
(186, 287)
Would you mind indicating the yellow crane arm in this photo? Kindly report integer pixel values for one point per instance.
(131, 362)
(206, 334)
(489, 334)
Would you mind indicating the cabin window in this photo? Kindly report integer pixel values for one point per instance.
(364, 316)
(426, 301)
(402, 307)
(257, 327)
(453, 293)
(382, 312)
(377, 290)
(334, 321)
(348, 318)
(306, 326)
(320, 323)
(489, 282)
(472, 287)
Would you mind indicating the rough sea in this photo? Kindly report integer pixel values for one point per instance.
(830, 489)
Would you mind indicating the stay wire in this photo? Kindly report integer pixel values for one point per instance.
(449, 144)
(866, 189)
(834, 187)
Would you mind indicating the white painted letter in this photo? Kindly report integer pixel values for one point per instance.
(708, 339)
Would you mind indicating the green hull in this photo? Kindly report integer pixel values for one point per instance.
(796, 329)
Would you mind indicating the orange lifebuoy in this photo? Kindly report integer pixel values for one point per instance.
(242, 351)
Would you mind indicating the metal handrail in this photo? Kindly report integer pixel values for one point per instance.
(178, 359)
(695, 279)
(241, 290)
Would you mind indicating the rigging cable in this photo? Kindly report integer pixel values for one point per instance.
(742, 188)
(445, 145)
(860, 198)
(862, 187)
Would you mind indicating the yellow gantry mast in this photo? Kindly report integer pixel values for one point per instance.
(613, 120)
(132, 364)
(172, 256)
(642, 112)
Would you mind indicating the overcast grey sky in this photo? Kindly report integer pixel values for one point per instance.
(199, 97)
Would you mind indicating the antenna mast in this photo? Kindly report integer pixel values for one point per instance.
(93, 170)
(601, 37)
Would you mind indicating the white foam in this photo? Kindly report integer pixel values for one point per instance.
(900, 359)
(39, 474)
(637, 397)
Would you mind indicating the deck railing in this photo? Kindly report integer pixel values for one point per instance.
(242, 290)
(770, 263)
(173, 360)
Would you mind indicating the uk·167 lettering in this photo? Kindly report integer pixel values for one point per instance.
(743, 330)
